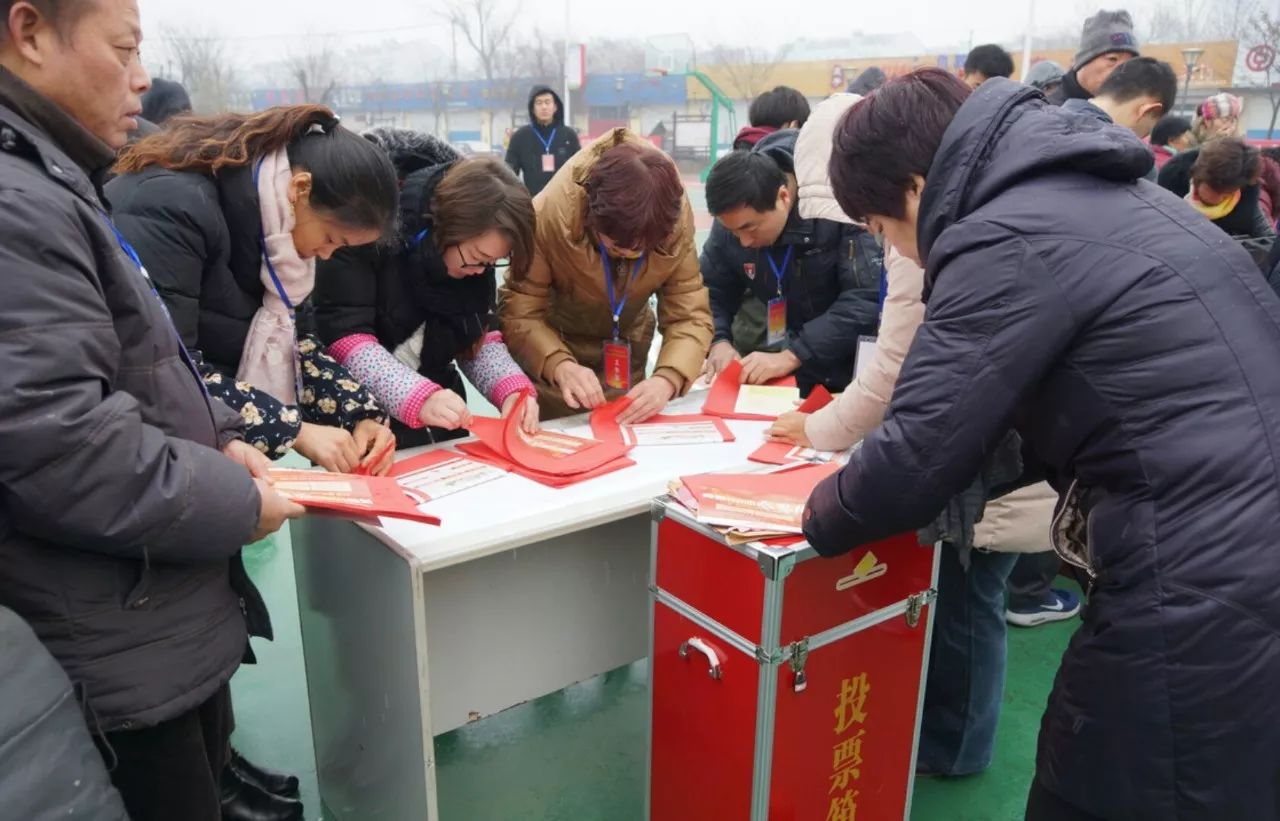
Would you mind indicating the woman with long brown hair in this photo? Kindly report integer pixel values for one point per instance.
(405, 319)
(228, 215)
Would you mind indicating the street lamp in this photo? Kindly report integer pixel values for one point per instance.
(1190, 56)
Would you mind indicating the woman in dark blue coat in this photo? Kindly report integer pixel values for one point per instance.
(1132, 345)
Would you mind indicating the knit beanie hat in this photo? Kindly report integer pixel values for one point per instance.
(1044, 73)
(1220, 106)
(1105, 32)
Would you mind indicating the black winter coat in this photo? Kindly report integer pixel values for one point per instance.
(200, 237)
(832, 286)
(392, 290)
(120, 523)
(530, 142)
(1133, 346)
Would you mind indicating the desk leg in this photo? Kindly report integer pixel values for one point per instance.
(363, 635)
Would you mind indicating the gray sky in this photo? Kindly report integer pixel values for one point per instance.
(939, 23)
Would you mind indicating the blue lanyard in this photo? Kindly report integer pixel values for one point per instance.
(137, 262)
(884, 291)
(419, 237)
(780, 273)
(546, 144)
(284, 297)
(616, 305)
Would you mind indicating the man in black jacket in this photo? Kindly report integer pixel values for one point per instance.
(120, 521)
(1106, 42)
(819, 279)
(541, 148)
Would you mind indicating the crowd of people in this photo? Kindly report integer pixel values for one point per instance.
(1044, 306)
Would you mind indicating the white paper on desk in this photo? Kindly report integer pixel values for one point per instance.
(766, 400)
(449, 477)
(678, 433)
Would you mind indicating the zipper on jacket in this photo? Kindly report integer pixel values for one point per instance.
(1063, 542)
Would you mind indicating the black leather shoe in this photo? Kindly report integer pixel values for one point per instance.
(242, 801)
(285, 786)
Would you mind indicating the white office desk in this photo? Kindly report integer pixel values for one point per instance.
(410, 631)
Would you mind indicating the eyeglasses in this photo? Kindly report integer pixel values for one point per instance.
(479, 266)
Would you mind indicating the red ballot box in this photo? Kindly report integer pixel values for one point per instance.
(784, 686)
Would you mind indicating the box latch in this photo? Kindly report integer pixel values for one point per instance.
(915, 605)
(799, 655)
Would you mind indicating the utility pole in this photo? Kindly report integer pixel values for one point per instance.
(1026, 39)
(564, 61)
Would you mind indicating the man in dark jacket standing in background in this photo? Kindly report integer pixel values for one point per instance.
(819, 279)
(120, 521)
(1106, 42)
(541, 148)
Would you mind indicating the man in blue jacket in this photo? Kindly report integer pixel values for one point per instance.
(819, 279)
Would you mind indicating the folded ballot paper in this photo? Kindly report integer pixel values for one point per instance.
(657, 430)
(362, 498)
(785, 453)
(730, 399)
(548, 457)
(750, 506)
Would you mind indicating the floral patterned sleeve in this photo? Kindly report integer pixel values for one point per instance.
(270, 425)
(330, 394)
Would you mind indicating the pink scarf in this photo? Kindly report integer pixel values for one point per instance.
(270, 360)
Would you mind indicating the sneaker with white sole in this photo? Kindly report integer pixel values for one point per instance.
(1061, 605)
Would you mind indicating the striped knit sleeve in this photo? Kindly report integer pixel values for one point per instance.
(395, 385)
(494, 373)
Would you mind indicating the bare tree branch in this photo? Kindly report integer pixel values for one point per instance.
(203, 67)
(315, 69)
(485, 26)
(748, 69)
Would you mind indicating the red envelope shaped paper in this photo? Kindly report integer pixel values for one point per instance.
(768, 501)
(546, 452)
(344, 493)
(785, 453)
(724, 398)
(483, 453)
(657, 430)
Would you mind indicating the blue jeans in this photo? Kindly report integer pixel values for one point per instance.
(966, 664)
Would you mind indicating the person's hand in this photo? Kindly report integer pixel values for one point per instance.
(245, 454)
(331, 448)
(274, 510)
(446, 410)
(789, 427)
(722, 353)
(760, 367)
(580, 385)
(376, 443)
(528, 411)
(647, 398)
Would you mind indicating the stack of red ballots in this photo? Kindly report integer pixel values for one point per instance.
(751, 506)
(547, 457)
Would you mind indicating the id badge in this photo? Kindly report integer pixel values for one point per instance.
(617, 364)
(865, 353)
(548, 162)
(777, 322)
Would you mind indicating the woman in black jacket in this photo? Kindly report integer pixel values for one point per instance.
(228, 215)
(1133, 348)
(191, 201)
(400, 316)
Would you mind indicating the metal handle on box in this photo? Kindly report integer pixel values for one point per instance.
(713, 660)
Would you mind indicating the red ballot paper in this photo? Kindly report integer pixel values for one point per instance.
(483, 453)
(546, 452)
(657, 430)
(345, 493)
(756, 501)
(730, 399)
(785, 453)
(440, 473)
